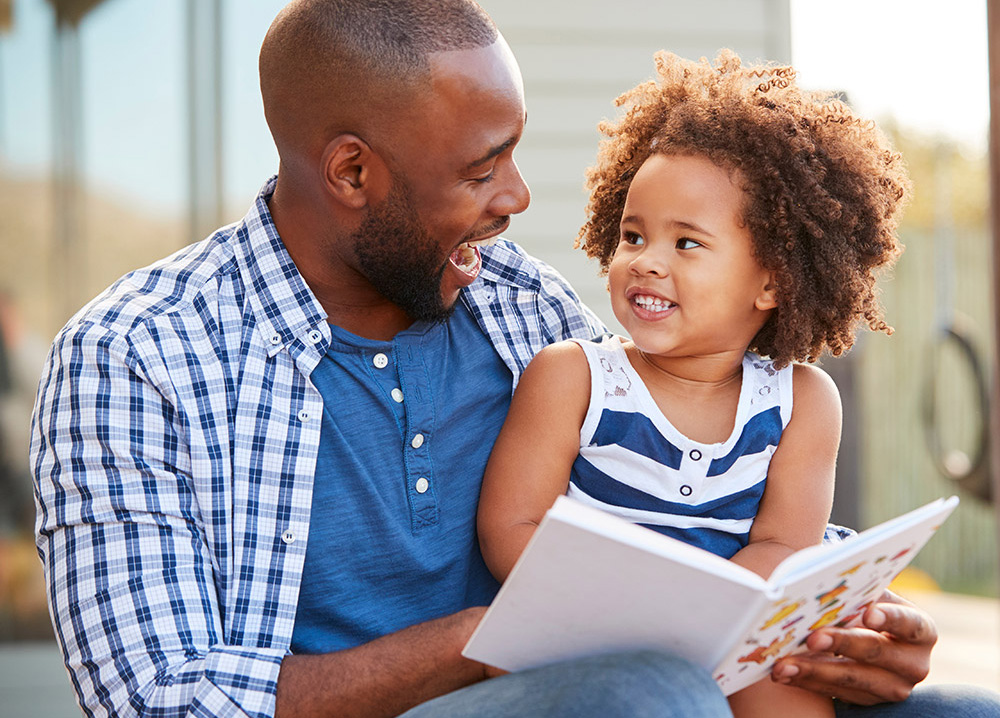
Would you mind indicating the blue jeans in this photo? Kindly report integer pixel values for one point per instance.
(647, 684)
(932, 702)
(642, 684)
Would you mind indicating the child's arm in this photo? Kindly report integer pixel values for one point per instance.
(532, 457)
(796, 504)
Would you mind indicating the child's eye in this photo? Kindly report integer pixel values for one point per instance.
(632, 238)
(685, 243)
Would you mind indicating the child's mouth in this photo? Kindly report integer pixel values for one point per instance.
(652, 304)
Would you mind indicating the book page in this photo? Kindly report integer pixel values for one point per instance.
(850, 576)
(579, 591)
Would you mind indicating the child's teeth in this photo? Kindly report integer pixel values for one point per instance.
(653, 303)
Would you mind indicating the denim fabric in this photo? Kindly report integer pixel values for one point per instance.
(932, 702)
(642, 684)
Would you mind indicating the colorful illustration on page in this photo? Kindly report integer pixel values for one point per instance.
(837, 597)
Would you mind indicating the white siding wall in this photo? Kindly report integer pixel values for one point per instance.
(576, 58)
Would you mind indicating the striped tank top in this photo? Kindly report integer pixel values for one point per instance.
(633, 463)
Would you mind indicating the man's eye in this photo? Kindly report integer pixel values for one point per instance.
(632, 238)
(686, 243)
(486, 177)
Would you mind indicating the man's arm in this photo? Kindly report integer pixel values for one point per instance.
(135, 587)
(385, 677)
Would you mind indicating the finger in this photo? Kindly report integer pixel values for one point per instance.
(905, 623)
(910, 662)
(843, 679)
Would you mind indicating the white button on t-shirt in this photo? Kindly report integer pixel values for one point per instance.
(380, 360)
(422, 485)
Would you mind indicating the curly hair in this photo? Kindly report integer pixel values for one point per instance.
(823, 189)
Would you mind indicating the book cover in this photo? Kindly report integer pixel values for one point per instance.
(589, 582)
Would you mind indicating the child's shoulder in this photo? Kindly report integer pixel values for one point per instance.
(815, 388)
(576, 349)
(561, 356)
(558, 370)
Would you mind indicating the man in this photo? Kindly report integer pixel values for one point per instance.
(258, 461)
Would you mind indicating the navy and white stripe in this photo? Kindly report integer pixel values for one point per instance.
(634, 463)
(173, 448)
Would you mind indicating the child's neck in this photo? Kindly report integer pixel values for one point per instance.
(698, 395)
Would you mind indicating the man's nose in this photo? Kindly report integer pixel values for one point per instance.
(514, 196)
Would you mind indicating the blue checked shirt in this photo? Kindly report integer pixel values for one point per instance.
(174, 445)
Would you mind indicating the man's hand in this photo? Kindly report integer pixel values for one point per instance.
(878, 662)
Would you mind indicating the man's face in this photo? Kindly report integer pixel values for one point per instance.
(398, 256)
(456, 182)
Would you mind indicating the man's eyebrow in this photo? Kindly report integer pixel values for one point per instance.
(493, 152)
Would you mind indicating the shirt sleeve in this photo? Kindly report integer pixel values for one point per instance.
(130, 578)
(564, 315)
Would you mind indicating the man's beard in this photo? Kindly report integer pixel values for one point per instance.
(400, 259)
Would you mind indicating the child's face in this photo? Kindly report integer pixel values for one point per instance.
(683, 280)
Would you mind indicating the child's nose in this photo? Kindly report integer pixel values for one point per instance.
(651, 262)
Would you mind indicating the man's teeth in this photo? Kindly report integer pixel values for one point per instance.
(465, 254)
(652, 304)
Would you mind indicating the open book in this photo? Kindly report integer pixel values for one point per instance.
(589, 582)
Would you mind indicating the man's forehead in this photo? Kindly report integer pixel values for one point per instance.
(492, 67)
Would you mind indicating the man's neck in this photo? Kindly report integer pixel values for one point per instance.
(348, 299)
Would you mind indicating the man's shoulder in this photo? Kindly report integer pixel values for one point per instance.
(552, 302)
(176, 283)
(507, 262)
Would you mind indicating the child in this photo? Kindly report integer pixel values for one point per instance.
(740, 222)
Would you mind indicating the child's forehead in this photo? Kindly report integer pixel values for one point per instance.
(687, 189)
(691, 170)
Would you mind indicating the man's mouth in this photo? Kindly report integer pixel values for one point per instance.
(466, 256)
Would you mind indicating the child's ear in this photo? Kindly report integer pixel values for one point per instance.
(767, 298)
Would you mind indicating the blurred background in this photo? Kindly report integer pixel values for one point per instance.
(129, 128)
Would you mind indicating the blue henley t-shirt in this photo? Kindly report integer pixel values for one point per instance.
(408, 426)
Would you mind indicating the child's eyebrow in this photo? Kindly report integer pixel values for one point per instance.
(673, 224)
(681, 224)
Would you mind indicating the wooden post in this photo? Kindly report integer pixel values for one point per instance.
(993, 29)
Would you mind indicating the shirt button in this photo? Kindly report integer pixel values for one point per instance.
(380, 360)
(275, 339)
(303, 415)
(288, 536)
(422, 485)
(315, 336)
(418, 441)
(397, 395)
(695, 456)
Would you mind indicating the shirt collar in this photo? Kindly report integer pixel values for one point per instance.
(506, 263)
(284, 305)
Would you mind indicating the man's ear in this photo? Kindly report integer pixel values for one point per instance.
(767, 298)
(352, 171)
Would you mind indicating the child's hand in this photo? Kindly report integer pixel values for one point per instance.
(880, 662)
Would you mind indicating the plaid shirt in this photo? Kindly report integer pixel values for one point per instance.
(174, 444)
